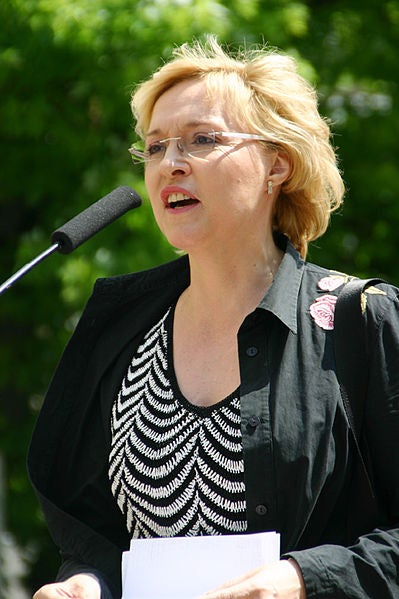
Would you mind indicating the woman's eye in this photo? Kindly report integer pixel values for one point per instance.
(155, 148)
(204, 139)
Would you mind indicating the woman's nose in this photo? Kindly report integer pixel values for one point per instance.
(174, 161)
(175, 147)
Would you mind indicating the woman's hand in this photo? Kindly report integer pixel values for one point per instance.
(280, 580)
(80, 586)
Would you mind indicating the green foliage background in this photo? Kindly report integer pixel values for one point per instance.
(67, 68)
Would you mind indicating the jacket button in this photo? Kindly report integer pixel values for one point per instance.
(253, 421)
(261, 510)
(251, 351)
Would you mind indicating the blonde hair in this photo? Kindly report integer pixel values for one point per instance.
(265, 92)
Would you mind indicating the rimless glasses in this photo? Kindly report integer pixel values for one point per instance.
(192, 145)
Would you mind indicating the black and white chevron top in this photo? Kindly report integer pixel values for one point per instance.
(175, 469)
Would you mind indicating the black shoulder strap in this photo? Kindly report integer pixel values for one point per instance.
(350, 352)
(350, 346)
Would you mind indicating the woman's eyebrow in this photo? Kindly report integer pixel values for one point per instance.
(189, 125)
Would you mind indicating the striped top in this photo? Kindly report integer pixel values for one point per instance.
(175, 469)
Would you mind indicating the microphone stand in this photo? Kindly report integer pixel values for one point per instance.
(81, 227)
(22, 271)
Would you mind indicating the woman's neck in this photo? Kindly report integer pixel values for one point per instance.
(227, 286)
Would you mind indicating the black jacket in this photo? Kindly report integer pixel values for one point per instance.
(302, 474)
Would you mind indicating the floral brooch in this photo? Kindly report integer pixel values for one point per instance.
(323, 308)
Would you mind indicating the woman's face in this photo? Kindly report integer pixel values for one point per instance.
(214, 200)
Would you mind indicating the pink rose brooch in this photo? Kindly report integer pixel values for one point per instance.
(332, 282)
(323, 308)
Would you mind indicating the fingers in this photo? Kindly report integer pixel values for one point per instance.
(79, 586)
(54, 591)
(280, 580)
(236, 588)
(242, 590)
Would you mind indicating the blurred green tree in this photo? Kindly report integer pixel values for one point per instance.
(67, 68)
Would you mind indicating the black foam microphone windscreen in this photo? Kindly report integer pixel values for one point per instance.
(94, 218)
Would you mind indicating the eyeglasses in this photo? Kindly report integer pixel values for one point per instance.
(192, 145)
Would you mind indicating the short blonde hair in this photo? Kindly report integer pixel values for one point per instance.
(267, 96)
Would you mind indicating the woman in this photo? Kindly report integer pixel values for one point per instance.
(201, 397)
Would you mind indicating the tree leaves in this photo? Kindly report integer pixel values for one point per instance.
(67, 68)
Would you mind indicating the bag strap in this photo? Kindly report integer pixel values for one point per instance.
(350, 346)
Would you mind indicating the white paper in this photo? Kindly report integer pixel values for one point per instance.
(187, 567)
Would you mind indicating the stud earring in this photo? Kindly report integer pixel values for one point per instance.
(269, 187)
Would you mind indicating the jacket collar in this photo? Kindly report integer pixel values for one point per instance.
(281, 298)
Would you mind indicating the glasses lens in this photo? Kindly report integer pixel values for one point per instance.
(138, 156)
(199, 143)
(191, 145)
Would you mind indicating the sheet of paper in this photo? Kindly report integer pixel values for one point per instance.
(187, 567)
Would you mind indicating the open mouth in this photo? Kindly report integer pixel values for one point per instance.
(178, 200)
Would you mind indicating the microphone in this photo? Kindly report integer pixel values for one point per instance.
(76, 231)
(97, 216)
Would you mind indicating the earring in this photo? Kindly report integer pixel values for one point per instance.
(269, 187)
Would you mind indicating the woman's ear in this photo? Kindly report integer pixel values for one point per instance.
(281, 168)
